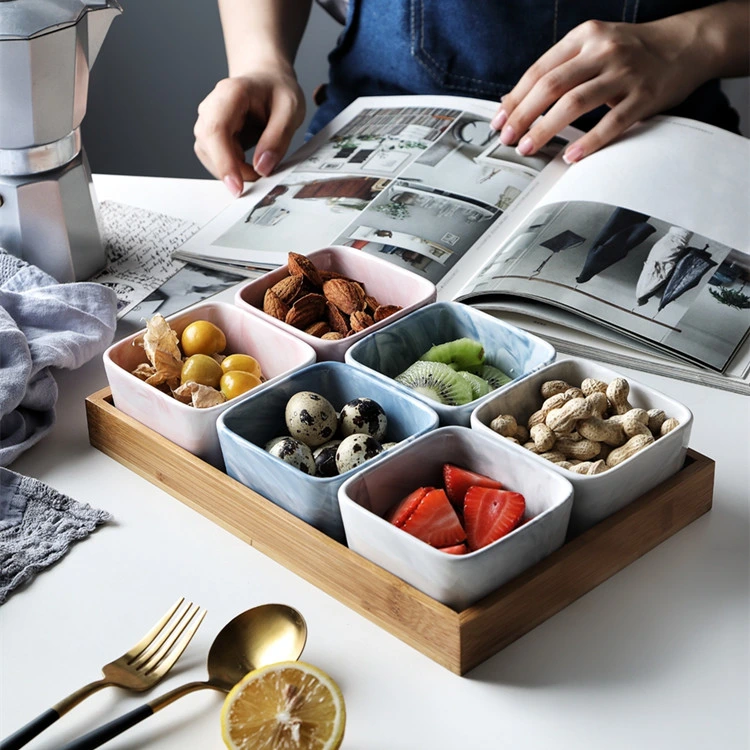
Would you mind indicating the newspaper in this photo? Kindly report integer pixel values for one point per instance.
(139, 246)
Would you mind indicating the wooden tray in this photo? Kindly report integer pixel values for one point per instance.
(457, 640)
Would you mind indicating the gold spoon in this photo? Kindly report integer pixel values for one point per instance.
(262, 635)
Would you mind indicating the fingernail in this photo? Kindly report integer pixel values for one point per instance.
(499, 120)
(507, 136)
(573, 154)
(234, 186)
(265, 163)
(525, 147)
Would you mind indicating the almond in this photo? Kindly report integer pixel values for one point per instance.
(335, 319)
(371, 302)
(306, 311)
(327, 275)
(273, 305)
(383, 311)
(346, 295)
(318, 329)
(360, 320)
(287, 288)
(300, 265)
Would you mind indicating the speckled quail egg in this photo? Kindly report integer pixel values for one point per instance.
(355, 450)
(294, 452)
(325, 459)
(311, 418)
(363, 415)
(273, 441)
(388, 446)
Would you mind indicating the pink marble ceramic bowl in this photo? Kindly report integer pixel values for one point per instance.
(384, 281)
(277, 352)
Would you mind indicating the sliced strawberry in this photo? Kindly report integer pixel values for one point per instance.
(490, 514)
(458, 480)
(435, 521)
(455, 549)
(401, 511)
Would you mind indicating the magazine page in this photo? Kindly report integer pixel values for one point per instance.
(418, 180)
(649, 236)
(587, 342)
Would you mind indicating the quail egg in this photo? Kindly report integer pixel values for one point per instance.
(325, 459)
(273, 441)
(363, 415)
(355, 450)
(311, 418)
(294, 452)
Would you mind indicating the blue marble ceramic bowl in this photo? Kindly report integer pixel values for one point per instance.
(456, 580)
(245, 430)
(390, 351)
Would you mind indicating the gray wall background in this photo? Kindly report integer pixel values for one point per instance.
(161, 57)
(159, 60)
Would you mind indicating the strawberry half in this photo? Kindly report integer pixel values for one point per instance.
(457, 481)
(490, 514)
(401, 511)
(435, 521)
(455, 549)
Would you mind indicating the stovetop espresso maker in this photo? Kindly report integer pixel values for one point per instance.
(48, 210)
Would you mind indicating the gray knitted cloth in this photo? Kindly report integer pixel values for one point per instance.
(43, 325)
(37, 526)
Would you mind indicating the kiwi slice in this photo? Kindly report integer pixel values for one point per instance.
(464, 353)
(479, 386)
(437, 381)
(493, 375)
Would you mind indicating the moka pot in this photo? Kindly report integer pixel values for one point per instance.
(48, 209)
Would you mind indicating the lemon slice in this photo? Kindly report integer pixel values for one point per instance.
(290, 705)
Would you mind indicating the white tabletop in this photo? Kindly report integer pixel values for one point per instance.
(655, 657)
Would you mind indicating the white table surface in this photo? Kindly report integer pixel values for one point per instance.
(655, 657)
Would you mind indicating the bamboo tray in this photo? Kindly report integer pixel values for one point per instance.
(457, 640)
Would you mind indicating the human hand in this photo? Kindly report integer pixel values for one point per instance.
(241, 111)
(637, 70)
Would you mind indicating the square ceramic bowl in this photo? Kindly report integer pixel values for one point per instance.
(384, 281)
(597, 496)
(391, 351)
(456, 580)
(246, 428)
(277, 352)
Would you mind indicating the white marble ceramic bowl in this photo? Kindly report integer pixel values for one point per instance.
(277, 352)
(387, 283)
(456, 580)
(245, 429)
(598, 496)
(393, 350)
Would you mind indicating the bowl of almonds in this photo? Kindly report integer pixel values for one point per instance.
(612, 437)
(332, 297)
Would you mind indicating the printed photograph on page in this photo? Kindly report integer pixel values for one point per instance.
(417, 185)
(645, 277)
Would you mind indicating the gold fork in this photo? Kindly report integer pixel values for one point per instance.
(137, 669)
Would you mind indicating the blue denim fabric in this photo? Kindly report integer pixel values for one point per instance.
(476, 49)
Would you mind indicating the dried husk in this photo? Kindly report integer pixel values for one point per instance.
(201, 396)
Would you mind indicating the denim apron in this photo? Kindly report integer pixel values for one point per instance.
(477, 49)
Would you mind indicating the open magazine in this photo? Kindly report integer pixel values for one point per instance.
(638, 255)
